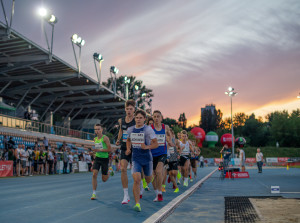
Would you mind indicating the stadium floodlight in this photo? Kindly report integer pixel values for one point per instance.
(231, 94)
(113, 74)
(42, 12)
(114, 70)
(99, 59)
(144, 95)
(52, 20)
(298, 96)
(78, 41)
(127, 82)
(136, 87)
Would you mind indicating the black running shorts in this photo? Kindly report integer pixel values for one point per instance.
(101, 163)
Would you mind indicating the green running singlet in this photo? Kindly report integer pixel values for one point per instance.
(100, 144)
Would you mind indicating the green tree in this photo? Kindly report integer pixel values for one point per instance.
(143, 95)
(170, 122)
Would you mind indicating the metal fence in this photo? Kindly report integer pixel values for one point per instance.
(30, 125)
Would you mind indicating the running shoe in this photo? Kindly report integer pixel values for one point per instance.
(178, 182)
(160, 197)
(137, 208)
(178, 175)
(185, 184)
(141, 196)
(174, 186)
(169, 180)
(155, 199)
(191, 180)
(93, 197)
(176, 190)
(144, 183)
(147, 188)
(163, 189)
(125, 200)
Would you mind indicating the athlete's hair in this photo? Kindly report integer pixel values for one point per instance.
(149, 119)
(140, 112)
(130, 102)
(157, 111)
(184, 132)
(98, 125)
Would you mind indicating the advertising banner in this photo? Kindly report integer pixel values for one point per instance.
(75, 167)
(83, 167)
(218, 160)
(6, 168)
(237, 175)
(283, 159)
(272, 160)
(250, 160)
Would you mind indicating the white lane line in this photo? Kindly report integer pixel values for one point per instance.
(170, 207)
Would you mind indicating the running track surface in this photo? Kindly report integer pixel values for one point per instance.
(66, 198)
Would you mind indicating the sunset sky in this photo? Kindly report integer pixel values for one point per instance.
(188, 52)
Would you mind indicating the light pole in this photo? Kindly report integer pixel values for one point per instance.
(298, 96)
(127, 82)
(51, 19)
(231, 94)
(135, 89)
(98, 58)
(78, 41)
(114, 71)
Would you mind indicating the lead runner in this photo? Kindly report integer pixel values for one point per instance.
(141, 138)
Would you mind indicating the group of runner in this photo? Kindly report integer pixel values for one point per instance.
(152, 149)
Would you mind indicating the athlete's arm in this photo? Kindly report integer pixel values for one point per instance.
(153, 145)
(128, 146)
(120, 132)
(107, 142)
(168, 136)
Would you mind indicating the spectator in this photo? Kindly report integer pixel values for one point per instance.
(76, 158)
(17, 159)
(50, 161)
(5, 142)
(66, 160)
(242, 158)
(201, 161)
(45, 142)
(42, 160)
(11, 143)
(24, 159)
(71, 158)
(54, 161)
(11, 154)
(30, 160)
(46, 164)
(259, 160)
(226, 156)
(88, 160)
(36, 158)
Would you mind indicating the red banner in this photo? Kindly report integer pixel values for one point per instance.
(282, 159)
(6, 168)
(237, 175)
(218, 160)
(250, 160)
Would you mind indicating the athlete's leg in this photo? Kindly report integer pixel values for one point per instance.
(94, 179)
(136, 186)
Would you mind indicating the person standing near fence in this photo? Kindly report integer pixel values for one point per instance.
(71, 158)
(259, 160)
(65, 159)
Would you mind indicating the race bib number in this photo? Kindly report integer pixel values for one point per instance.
(161, 139)
(125, 135)
(186, 150)
(171, 150)
(98, 146)
(137, 139)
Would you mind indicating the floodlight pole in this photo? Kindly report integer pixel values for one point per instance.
(8, 24)
(232, 129)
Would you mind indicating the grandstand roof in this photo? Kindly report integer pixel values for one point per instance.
(27, 77)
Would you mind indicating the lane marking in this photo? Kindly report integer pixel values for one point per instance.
(163, 213)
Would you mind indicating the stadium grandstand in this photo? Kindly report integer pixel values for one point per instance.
(36, 88)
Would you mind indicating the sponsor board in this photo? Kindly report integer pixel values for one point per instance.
(6, 168)
(272, 160)
(250, 160)
(237, 175)
(283, 159)
(275, 189)
(218, 160)
(83, 167)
